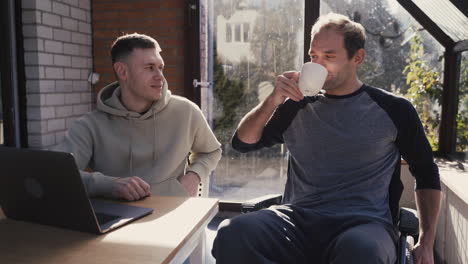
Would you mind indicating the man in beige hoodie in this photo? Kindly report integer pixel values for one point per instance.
(141, 139)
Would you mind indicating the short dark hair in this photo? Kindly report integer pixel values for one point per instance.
(124, 45)
(353, 32)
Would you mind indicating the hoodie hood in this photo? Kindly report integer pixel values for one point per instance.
(108, 101)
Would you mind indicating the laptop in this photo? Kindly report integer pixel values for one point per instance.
(45, 187)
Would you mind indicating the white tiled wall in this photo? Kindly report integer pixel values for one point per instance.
(57, 44)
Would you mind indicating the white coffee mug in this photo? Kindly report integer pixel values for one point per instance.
(312, 78)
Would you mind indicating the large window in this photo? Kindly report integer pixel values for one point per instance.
(401, 56)
(268, 40)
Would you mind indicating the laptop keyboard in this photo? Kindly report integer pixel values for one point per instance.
(104, 218)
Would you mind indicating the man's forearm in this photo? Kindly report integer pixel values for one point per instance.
(97, 184)
(428, 203)
(251, 126)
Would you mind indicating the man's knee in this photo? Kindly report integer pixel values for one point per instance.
(235, 228)
(237, 239)
(234, 233)
(363, 244)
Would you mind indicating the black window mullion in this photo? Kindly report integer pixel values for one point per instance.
(6, 78)
(192, 51)
(12, 74)
(448, 130)
(311, 13)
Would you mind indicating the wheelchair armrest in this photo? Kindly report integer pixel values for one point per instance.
(261, 202)
(408, 223)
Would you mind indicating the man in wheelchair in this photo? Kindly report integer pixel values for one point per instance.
(345, 148)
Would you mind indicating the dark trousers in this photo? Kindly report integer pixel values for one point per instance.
(287, 234)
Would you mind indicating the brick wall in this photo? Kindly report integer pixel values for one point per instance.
(57, 44)
(161, 19)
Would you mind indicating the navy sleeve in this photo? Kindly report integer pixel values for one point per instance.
(415, 148)
(411, 140)
(274, 129)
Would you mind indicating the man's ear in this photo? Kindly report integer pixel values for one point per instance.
(359, 56)
(121, 70)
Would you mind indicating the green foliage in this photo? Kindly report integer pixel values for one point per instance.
(425, 90)
(462, 131)
(229, 95)
(462, 116)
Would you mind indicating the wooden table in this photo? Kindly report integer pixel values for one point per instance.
(168, 235)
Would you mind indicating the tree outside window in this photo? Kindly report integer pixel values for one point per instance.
(424, 90)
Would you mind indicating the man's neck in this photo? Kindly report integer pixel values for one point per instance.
(132, 103)
(346, 89)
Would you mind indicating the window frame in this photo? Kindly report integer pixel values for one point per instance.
(12, 75)
(192, 52)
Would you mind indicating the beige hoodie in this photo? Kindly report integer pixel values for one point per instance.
(115, 142)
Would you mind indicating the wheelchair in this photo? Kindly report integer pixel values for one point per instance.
(406, 221)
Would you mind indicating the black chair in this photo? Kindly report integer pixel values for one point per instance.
(407, 223)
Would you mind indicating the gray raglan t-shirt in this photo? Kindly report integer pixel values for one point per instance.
(345, 152)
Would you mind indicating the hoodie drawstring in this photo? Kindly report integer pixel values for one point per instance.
(154, 137)
(130, 148)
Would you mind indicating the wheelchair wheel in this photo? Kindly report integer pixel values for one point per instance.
(409, 250)
(409, 257)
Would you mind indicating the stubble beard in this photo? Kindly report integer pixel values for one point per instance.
(336, 83)
(330, 85)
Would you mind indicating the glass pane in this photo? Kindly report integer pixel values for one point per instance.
(237, 33)
(246, 29)
(268, 40)
(462, 116)
(454, 25)
(401, 56)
